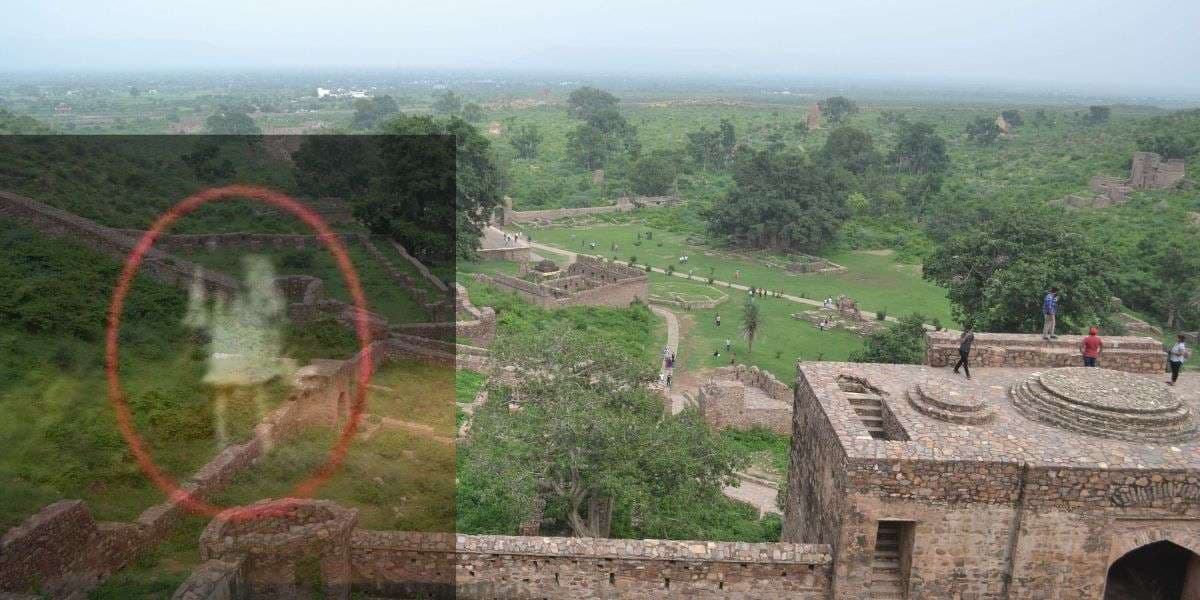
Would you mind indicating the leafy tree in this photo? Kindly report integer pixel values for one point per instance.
(1012, 116)
(134, 91)
(604, 133)
(447, 103)
(207, 163)
(983, 130)
(1176, 135)
(902, 343)
(439, 186)
(1041, 119)
(850, 148)
(472, 112)
(588, 103)
(998, 270)
(728, 138)
(705, 147)
(919, 149)
(1171, 279)
(370, 112)
(335, 165)
(525, 140)
(750, 323)
(1097, 115)
(780, 202)
(231, 121)
(654, 174)
(837, 108)
(580, 428)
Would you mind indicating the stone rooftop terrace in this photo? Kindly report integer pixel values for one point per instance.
(1008, 437)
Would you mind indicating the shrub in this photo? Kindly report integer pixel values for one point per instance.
(937, 324)
(638, 243)
(297, 260)
(647, 268)
(881, 315)
(670, 269)
(660, 244)
(633, 259)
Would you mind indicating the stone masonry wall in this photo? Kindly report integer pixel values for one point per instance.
(816, 499)
(543, 567)
(1149, 171)
(1123, 353)
(723, 400)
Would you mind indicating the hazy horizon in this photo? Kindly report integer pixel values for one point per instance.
(1071, 44)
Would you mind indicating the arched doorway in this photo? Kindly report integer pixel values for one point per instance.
(1160, 570)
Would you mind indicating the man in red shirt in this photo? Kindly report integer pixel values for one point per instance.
(1090, 347)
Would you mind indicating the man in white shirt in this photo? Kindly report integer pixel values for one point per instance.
(1175, 357)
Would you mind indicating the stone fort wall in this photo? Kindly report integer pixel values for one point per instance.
(1122, 353)
(407, 564)
(62, 549)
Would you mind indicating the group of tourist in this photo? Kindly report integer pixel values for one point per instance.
(668, 367)
(1090, 346)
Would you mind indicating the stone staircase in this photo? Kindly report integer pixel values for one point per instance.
(887, 580)
(867, 405)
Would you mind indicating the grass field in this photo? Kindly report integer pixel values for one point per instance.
(780, 342)
(875, 280)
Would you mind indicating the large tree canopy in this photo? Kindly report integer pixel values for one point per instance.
(578, 427)
(998, 270)
(438, 189)
(781, 202)
(231, 121)
(850, 148)
(919, 149)
(837, 108)
(604, 132)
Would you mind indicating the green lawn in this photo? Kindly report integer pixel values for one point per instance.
(877, 281)
(780, 342)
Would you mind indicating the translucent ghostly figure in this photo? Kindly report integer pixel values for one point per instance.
(246, 338)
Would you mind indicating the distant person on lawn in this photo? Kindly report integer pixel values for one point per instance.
(717, 319)
(1090, 347)
(964, 350)
(1175, 357)
(1049, 313)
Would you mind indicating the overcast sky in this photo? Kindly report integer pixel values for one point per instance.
(1144, 43)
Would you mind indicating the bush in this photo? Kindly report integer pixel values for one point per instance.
(881, 315)
(670, 269)
(297, 260)
(647, 268)
(633, 259)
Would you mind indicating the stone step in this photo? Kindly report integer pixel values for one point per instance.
(946, 406)
(1176, 427)
(878, 576)
(935, 411)
(869, 412)
(852, 396)
(1031, 395)
(886, 565)
(892, 554)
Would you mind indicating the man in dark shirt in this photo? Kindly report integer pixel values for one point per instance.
(964, 350)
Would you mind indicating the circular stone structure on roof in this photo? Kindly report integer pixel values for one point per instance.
(1105, 403)
(950, 402)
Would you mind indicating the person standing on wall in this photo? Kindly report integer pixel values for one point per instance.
(1175, 357)
(1090, 347)
(964, 350)
(1049, 313)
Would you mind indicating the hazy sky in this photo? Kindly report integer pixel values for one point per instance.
(1150, 43)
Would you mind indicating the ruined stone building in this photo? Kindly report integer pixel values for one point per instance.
(1032, 480)
(588, 281)
(1148, 171)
